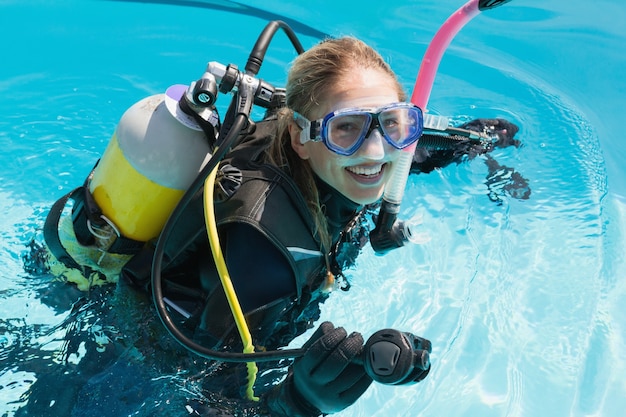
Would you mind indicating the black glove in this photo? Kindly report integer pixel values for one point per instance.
(502, 128)
(326, 379)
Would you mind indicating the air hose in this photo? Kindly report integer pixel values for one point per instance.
(237, 117)
(227, 284)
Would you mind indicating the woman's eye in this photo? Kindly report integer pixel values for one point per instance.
(390, 123)
(347, 127)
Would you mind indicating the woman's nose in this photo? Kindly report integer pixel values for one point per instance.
(374, 146)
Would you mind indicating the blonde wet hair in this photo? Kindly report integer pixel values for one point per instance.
(312, 76)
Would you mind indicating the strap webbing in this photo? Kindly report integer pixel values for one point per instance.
(51, 231)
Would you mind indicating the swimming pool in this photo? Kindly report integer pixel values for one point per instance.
(522, 300)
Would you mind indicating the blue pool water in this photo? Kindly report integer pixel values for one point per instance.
(522, 300)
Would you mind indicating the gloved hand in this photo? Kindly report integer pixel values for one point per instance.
(326, 379)
(502, 128)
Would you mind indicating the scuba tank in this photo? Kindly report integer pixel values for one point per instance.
(154, 155)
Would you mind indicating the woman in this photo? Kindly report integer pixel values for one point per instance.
(291, 209)
(295, 221)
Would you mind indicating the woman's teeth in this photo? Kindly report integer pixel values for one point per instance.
(366, 171)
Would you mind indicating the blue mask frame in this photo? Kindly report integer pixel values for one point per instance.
(318, 130)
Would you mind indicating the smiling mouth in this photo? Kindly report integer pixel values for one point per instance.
(370, 171)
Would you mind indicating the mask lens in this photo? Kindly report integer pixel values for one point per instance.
(345, 130)
(400, 125)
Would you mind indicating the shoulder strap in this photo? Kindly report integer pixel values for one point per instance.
(51, 231)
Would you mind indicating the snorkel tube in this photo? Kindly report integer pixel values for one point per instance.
(389, 232)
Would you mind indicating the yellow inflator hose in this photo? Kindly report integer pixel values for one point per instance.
(231, 296)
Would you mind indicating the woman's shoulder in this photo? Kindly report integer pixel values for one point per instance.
(251, 145)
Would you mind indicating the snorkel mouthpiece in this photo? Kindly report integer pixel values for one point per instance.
(389, 233)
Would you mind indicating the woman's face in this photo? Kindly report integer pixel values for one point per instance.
(361, 176)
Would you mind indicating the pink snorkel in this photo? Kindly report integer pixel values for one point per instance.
(390, 233)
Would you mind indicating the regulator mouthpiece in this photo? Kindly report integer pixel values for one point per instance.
(396, 358)
(391, 233)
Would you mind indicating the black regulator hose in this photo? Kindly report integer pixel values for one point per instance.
(260, 47)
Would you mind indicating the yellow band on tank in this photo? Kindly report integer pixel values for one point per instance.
(138, 206)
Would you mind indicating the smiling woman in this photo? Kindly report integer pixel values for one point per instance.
(371, 151)
(530, 279)
(268, 176)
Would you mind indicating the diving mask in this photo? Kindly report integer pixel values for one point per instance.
(344, 131)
